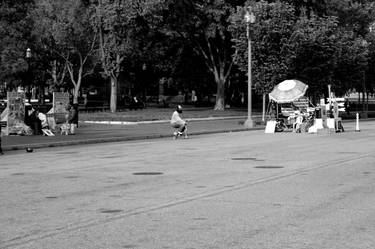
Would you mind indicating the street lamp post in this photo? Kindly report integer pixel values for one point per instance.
(249, 18)
(28, 58)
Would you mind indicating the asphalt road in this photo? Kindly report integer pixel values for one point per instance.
(230, 190)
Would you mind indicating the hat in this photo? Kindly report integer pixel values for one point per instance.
(179, 108)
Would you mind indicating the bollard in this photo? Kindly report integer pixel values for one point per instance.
(357, 122)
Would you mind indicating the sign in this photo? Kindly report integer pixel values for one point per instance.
(60, 102)
(270, 126)
(16, 110)
(302, 103)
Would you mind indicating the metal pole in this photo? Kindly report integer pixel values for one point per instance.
(28, 81)
(249, 122)
(28, 57)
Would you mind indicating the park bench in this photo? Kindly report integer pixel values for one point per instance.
(3, 124)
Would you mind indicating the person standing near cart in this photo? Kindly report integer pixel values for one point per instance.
(1, 124)
(72, 118)
(347, 106)
(1, 150)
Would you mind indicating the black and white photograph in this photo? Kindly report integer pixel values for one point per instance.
(187, 124)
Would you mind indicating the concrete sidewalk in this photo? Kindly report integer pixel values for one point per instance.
(90, 132)
(96, 132)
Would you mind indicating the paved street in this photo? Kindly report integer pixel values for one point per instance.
(244, 189)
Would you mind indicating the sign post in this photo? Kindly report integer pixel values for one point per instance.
(16, 111)
(60, 102)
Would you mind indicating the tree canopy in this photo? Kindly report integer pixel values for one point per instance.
(319, 50)
(199, 43)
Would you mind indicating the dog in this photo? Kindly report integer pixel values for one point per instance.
(64, 129)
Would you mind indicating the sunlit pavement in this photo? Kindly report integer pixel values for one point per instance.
(244, 189)
(89, 133)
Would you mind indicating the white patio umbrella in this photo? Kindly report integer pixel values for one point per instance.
(288, 91)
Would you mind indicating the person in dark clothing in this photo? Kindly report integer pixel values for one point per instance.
(136, 104)
(32, 120)
(1, 150)
(347, 106)
(72, 118)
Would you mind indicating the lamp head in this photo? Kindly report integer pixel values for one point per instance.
(249, 16)
(28, 53)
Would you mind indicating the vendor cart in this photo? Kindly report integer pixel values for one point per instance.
(289, 107)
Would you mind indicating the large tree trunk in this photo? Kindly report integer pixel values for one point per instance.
(75, 95)
(54, 72)
(220, 96)
(220, 91)
(217, 66)
(76, 83)
(113, 103)
(114, 82)
(77, 87)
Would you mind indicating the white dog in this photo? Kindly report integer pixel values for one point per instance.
(65, 129)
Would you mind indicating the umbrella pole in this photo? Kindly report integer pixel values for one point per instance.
(277, 110)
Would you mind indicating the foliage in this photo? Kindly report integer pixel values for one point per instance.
(370, 74)
(318, 41)
(355, 16)
(269, 34)
(64, 28)
(204, 24)
(125, 31)
(316, 50)
(15, 29)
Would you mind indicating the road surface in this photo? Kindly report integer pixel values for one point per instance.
(230, 190)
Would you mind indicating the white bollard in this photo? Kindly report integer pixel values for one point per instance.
(357, 122)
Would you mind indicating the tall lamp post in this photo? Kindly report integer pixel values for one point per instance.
(28, 58)
(249, 18)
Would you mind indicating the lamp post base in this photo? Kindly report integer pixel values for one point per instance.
(249, 123)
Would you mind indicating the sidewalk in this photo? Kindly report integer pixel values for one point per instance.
(114, 131)
(136, 125)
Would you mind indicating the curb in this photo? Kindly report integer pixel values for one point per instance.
(159, 121)
(139, 137)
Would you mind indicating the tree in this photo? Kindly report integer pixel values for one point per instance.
(353, 15)
(270, 36)
(65, 28)
(205, 25)
(309, 7)
(314, 49)
(122, 27)
(15, 38)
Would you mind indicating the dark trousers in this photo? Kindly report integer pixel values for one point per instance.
(180, 127)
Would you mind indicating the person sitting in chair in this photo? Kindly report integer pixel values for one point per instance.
(298, 122)
(178, 123)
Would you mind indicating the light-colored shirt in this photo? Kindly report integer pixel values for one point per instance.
(176, 118)
(43, 119)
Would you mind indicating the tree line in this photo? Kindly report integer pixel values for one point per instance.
(199, 43)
